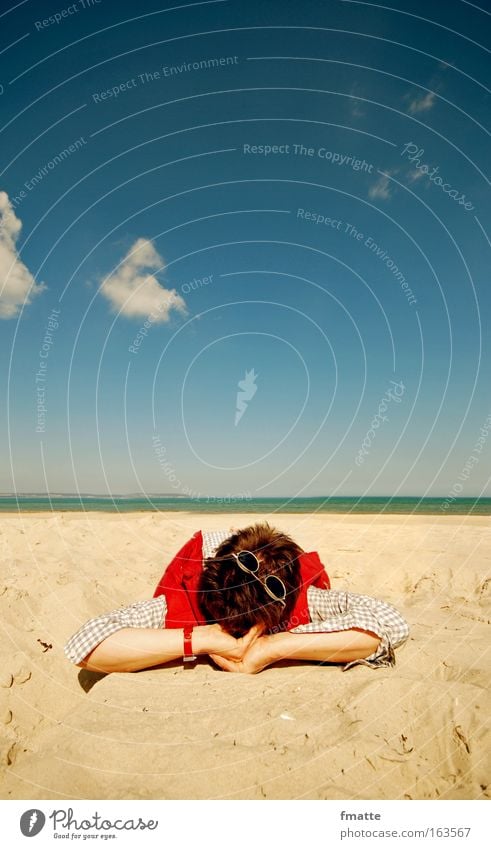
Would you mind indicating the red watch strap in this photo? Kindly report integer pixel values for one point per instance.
(188, 644)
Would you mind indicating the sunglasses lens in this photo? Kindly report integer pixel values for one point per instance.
(248, 561)
(276, 587)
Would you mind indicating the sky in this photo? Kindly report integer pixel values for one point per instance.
(245, 248)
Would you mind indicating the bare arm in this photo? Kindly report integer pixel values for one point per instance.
(333, 647)
(134, 637)
(132, 649)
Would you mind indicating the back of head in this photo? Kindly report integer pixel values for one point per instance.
(237, 600)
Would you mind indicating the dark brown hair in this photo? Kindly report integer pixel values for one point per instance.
(236, 600)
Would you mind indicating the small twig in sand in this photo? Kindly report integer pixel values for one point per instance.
(459, 734)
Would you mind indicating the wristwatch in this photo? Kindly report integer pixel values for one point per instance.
(188, 656)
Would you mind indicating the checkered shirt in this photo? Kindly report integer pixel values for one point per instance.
(338, 610)
(329, 610)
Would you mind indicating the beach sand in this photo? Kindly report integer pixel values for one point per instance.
(415, 731)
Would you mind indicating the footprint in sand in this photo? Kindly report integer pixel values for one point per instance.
(423, 588)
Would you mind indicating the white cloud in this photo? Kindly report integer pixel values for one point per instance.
(415, 175)
(422, 103)
(380, 190)
(17, 285)
(138, 295)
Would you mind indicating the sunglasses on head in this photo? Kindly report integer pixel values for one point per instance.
(275, 588)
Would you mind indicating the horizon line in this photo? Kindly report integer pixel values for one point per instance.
(144, 496)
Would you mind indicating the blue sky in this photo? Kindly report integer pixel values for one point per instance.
(167, 176)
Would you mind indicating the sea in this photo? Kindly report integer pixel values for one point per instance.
(33, 503)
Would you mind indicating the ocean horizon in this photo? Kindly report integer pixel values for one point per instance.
(68, 502)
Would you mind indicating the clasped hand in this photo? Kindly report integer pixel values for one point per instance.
(247, 654)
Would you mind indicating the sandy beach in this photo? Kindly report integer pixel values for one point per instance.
(297, 731)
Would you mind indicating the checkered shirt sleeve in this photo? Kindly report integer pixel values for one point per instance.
(338, 610)
(142, 614)
(211, 541)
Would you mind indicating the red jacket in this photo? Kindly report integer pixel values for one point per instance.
(180, 582)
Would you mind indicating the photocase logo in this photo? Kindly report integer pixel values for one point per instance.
(247, 390)
(32, 822)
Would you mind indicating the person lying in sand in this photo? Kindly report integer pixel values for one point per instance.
(246, 599)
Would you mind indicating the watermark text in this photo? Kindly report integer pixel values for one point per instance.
(52, 326)
(65, 13)
(393, 393)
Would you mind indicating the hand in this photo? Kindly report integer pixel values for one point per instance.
(220, 643)
(256, 658)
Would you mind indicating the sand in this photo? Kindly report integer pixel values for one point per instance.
(297, 731)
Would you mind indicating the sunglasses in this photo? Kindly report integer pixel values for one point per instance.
(275, 588)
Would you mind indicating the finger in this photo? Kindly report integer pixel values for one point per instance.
(243, 645)
(223, 663)
(217, 659)
(252, 635)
